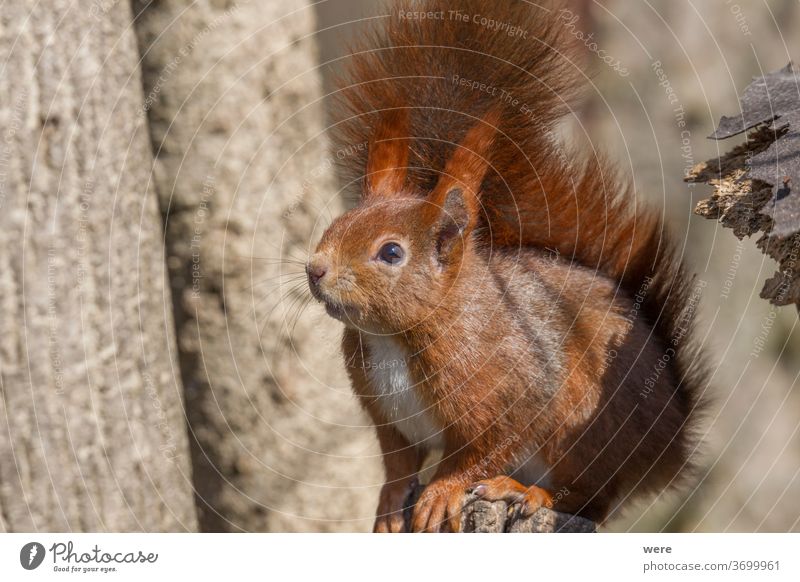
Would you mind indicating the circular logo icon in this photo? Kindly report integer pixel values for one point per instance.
(31, 555)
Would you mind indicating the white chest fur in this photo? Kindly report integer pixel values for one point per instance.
(387, 367)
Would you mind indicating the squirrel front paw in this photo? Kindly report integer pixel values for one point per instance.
(526, 500)
(389, 517)
(439, 507)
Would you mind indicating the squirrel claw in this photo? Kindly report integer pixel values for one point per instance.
(439, 508)
(523, 501)
(478, 490)
(394, 499)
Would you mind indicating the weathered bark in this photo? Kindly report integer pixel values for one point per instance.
(755, 184)
(744, 205)
(92, 435)
(244, 179)
(497, 517)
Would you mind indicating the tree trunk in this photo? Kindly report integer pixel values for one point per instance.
(244, 179)
(92, 434)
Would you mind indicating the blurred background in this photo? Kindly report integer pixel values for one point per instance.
(164, 172)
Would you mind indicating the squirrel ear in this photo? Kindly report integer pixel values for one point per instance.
(456, 192)
(454, 223)
(467, 167)
(387, 161)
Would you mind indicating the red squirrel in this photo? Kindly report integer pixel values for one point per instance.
(505, 302)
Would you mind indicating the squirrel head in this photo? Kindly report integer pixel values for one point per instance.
(388, 264)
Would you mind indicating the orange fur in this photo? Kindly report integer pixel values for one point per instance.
(478, 337)
(386, 167)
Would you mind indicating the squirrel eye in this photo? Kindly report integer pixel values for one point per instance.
(391, 253)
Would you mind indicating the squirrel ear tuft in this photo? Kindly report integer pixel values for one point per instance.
(465, 170)
(455, 220)
(457, 192)
(387, 162)
(469, 163)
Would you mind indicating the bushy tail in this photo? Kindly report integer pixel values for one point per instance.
(453, 62)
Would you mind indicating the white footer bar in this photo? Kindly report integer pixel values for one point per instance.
(385, 558)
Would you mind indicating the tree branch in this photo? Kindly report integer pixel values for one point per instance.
(481, 516)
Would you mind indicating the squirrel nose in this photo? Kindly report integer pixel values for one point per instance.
(316, 270)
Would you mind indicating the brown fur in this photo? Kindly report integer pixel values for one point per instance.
(512, 352)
